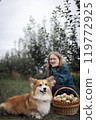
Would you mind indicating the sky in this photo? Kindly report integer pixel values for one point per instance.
(14, 16)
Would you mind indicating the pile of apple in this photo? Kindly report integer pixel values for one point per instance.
(65, 98)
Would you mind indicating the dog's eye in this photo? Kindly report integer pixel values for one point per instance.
(46, 84)
(40, 84)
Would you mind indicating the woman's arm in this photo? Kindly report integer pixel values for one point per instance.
(62, 75)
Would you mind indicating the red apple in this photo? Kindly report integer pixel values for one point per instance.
(64, 95)
(69, 97)
(59, 99)
(75, 99)
(55, 98)
(72, 95)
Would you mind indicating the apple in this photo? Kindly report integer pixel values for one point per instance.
(63, 99)
(58, 96)
(69, 97)
(72, 95)
(75, 99)
(68, 101)
(64, 94)
(55, 98)
(59, 99)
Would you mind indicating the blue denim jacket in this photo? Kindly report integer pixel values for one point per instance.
(62, 77)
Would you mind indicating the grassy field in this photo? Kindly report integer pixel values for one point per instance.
(9, 87)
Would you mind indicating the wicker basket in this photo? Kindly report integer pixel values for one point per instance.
(65, 108)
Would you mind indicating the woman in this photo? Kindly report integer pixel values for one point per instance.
(60, 71)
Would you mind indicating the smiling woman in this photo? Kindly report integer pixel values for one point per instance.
(61, 73)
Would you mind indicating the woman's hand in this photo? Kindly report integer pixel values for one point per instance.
(54, 82)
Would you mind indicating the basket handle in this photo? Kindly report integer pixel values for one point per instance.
(66, 88)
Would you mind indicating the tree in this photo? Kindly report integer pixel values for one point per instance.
(73, 22)
(77, 3)
(35, 45)
(65, 38)
(57, 36)
(43, 41)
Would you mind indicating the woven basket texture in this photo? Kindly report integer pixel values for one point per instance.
(64, 108)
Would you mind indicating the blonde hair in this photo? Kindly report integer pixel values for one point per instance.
(60, 61)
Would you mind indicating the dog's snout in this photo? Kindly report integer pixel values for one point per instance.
(44, 89)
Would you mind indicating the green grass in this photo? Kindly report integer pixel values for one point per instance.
(9, 87)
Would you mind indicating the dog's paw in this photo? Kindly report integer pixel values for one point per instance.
(38, 117)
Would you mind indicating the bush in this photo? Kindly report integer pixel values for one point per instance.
(4, 75)
(39, 75)
(76, 80)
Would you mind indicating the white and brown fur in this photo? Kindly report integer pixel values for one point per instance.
(35, 103)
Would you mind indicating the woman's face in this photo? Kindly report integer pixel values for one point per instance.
(54, 60)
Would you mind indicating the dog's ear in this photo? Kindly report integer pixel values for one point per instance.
(51, 80)
(32, 81)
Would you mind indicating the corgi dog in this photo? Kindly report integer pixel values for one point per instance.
(35, 103)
